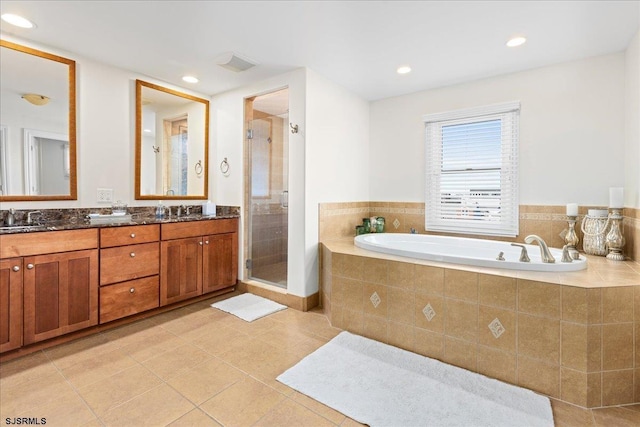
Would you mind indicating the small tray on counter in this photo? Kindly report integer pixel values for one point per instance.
(108, 219)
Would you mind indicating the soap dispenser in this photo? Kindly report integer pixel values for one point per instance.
(160, 209)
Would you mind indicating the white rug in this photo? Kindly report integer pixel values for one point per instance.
(381, 385)
(248, 307)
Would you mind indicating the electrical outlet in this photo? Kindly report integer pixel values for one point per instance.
(105, 195)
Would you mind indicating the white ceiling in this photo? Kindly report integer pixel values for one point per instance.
(357, 44)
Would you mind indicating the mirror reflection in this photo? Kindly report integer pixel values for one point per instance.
(37, 133)
(172, 143)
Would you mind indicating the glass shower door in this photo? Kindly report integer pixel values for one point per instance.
(268, 239)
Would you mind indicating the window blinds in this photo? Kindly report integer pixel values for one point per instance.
(472, 171)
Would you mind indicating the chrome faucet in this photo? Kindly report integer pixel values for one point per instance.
(545, 254)
(11, 217)
(183, 209)
(29, 220)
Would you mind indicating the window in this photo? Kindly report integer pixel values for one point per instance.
(472, 170)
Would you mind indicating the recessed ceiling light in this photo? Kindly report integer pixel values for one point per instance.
(18, 21)
(404, 69)
(190, 79)
(516, 41)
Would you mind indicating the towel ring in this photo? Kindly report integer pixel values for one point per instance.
(224, 167)
(198, 168)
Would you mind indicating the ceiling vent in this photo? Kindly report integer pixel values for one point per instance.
(234, 62)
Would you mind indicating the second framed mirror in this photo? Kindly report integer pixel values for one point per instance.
(172, 144)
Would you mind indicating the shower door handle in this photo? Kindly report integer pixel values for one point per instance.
(284, 199)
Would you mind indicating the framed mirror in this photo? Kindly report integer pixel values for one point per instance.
(38, 129)
(172, 144)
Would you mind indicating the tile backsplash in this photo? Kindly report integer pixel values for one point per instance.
(337, 220)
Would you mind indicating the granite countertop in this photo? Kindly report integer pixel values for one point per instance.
(76, 219)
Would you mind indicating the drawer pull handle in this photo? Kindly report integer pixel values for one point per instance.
(132, 254)
(132, 290)
(206, 242)
(30, 266)
(133, 235)
(200, 243)
(16, 268)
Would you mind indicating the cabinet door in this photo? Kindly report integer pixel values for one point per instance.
(60, 294)
(220, 261)
(181, 269)
(10, 304)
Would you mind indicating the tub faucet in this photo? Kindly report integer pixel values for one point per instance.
(545, 254)
(524, 256)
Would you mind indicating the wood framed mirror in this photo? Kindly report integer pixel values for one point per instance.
(38, 135)
(172, 144)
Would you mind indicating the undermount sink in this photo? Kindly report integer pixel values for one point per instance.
(20, 228)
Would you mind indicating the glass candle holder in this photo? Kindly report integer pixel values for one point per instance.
(615, 239)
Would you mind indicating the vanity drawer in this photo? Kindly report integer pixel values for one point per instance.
(120, 236)
(179, 230)
(49, 242)
(129, 262)
(125, 299)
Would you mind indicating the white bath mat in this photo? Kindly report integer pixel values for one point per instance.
(248, 307)
(381, 385)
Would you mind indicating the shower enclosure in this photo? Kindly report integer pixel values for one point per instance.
(267, 142)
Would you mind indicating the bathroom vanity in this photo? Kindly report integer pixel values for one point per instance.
(56, 282)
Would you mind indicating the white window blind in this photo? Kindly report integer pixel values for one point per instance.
(472, 170)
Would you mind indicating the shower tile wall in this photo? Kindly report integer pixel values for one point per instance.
(338, 220)
(269, 235)
(574, 344)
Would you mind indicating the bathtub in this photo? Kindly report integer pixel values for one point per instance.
(459, 250)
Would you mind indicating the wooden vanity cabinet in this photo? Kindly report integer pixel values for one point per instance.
(60, 294)
(54, 283)
(219, 262)
(181, 262)
(10, 304)
(129, 268)
(49, 285)
(59, 278)
(197, 257)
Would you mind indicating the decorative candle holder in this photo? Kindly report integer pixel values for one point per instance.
(615, 239)
(571, 238)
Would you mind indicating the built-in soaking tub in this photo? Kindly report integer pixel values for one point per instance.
(459, 250)
(568, 335)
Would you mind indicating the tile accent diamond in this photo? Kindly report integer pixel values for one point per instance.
(496, 328)
(375, 299)
(429, 312)
(396, 223)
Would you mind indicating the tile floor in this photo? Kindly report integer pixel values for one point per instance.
(195, 366)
